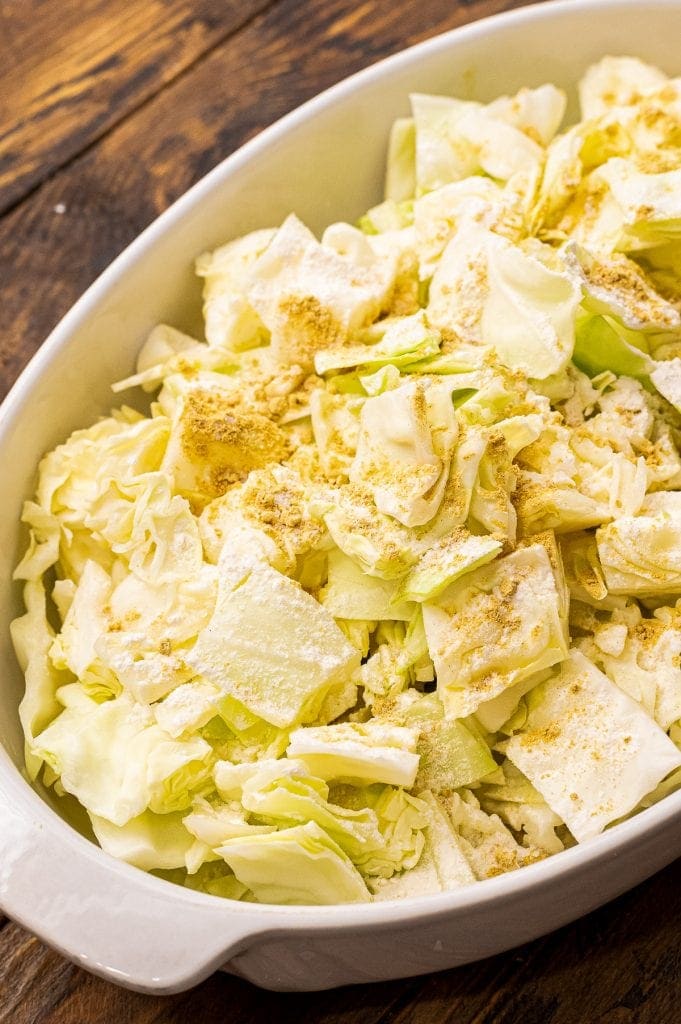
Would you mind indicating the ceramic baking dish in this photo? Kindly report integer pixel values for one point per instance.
(325, 161)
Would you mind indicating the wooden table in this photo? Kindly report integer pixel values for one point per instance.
(109, 110)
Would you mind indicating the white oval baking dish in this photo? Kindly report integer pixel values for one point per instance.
(324, 161)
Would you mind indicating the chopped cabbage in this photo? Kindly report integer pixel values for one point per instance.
(378, 597)
(301, 864)
(520, 300)
(282, 686)
(358, 753)
(590, 750)
(494, 627)
(642, 554)
(116, 760)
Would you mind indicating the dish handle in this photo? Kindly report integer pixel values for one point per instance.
(111, 919)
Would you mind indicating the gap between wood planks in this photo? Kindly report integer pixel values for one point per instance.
(34, 182)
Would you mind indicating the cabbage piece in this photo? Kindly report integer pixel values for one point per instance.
(500, 394)
(163, 343)
(442, 865)
(500, 712)
(494, 627)
(642, 656)
(549, 542)
(284, 793)
(149, 841)
(241, 737)
(179, 354)
(153, 529)
(401, 818)
(285, 683)
(231, 322)
(458, 491)
(272, 503)
(117, 448)
(299, 865)
(455, 138)
(400, 176)
(617, 287)
(600, 346)
(523, 302)
(522, 808)
(404, 450)
(487, 844)
(357, 753)
(89, 616)
(535, 112)
(379, 544)
(444, 562)
(666, 376)
(399, 659)
(390, 215)
(340, 699)
(394, 340)
(616, 82)
(519, 431)
(216, 879)
(384, 379)
(294, 796)
(32, 637)
(451, 864)
(216, 439)
(335, 425)
(450, 754)
(662, 264)
(641, 554)
(309, 297)
(560, 178)
(646, 207)
(147, 613)
(440, 155)
(421, 880)
(583, 570)
(43, 547)
(574, 479)
(214, 823)
(544, 503)
(188, 708)
(667, 786)
(384, 257)
(589, 749)
(116, 760)
(502, 149)
(146, 674)
(491, 507)
(351, 594)
(440, 214)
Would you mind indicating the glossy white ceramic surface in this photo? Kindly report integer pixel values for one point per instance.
(326, 162)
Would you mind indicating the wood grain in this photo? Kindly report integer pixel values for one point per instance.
(72, 70)
(54, 244)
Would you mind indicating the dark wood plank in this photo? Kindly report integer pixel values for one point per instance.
(32, 979)
(54, 244)
(618, 965)
(72, 70)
